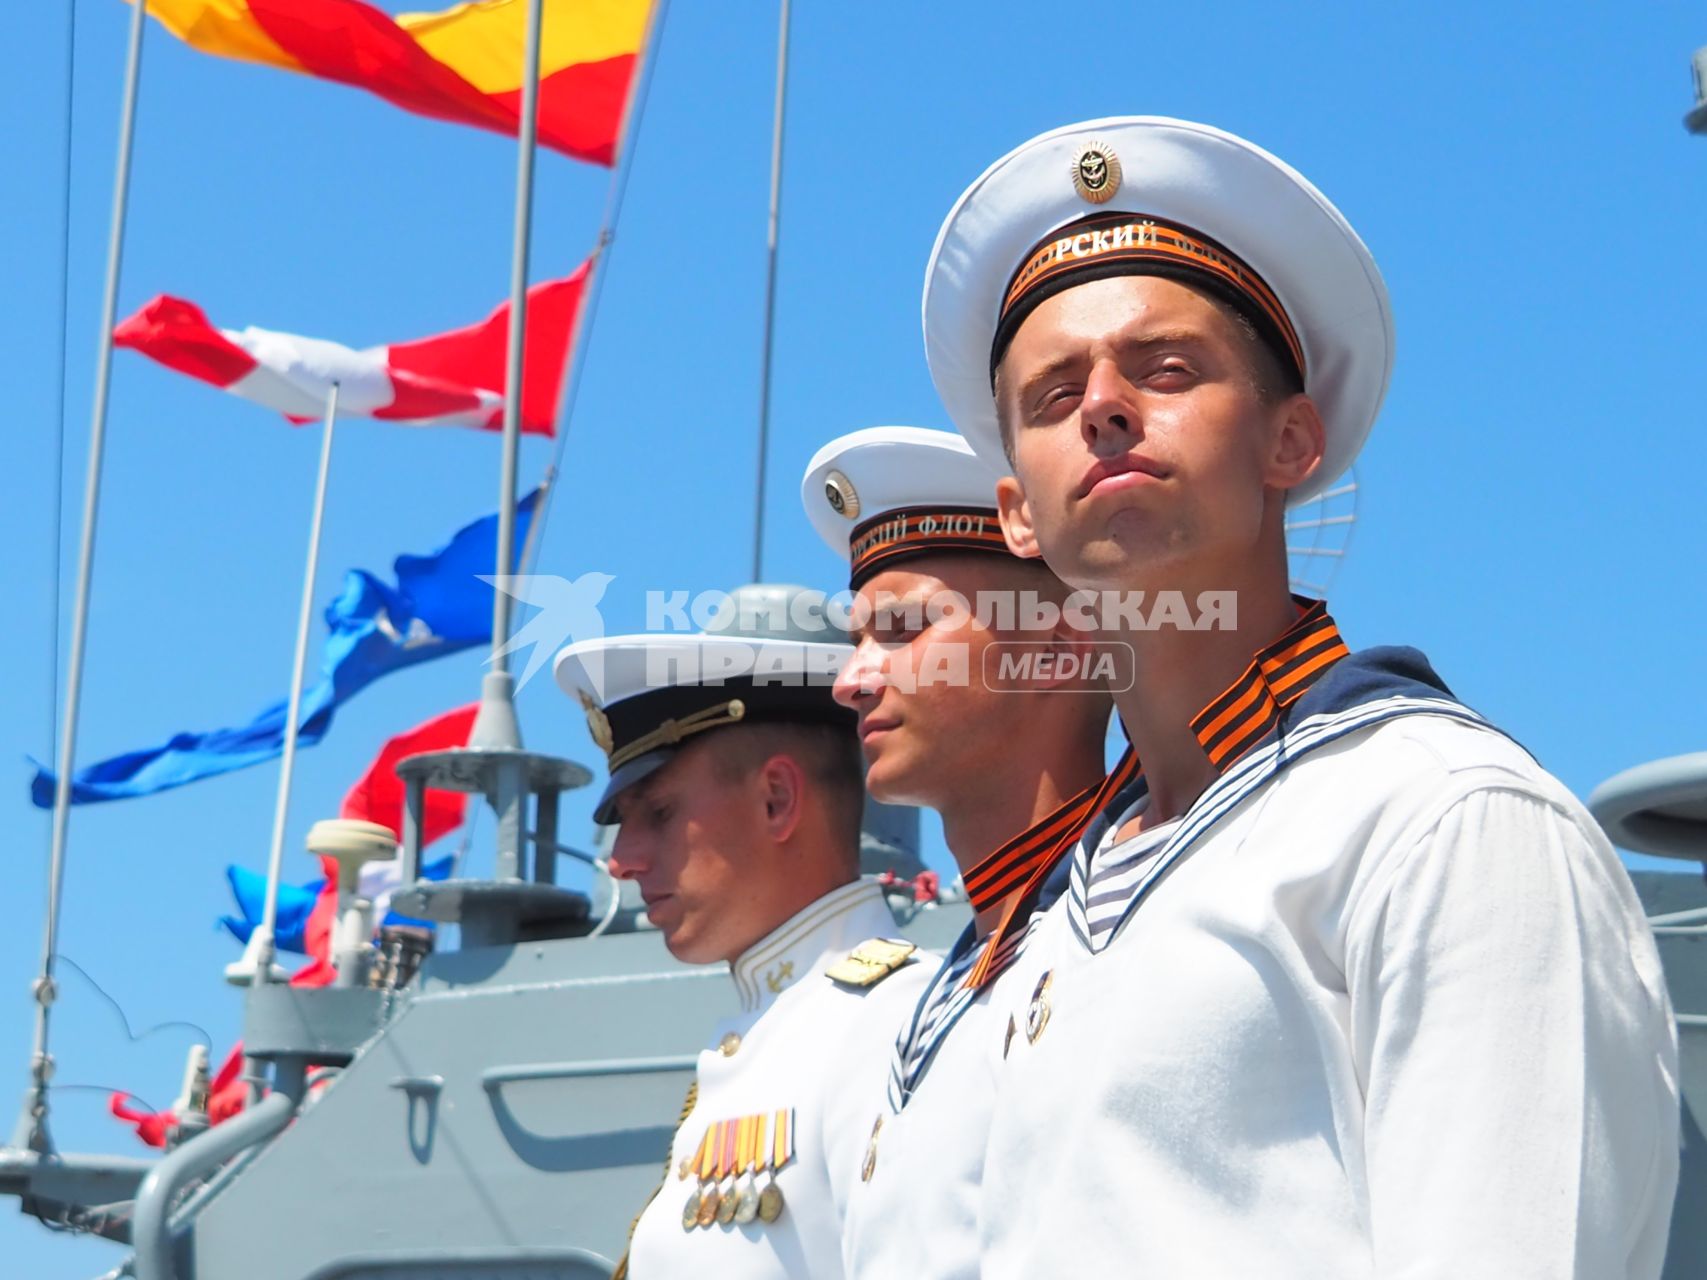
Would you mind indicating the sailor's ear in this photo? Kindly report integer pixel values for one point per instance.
(1015, 514)
(782, 789)
(1296, 444)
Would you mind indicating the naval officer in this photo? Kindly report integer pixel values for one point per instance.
(735, 779)
(939, 604)
(1345, 984)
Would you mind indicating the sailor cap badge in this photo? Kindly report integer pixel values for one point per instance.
(598, 723)
(842, 496)
(1096, 172)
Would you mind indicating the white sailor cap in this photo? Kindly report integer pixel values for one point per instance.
(645, 695)
(885, 494)
(1151, 195)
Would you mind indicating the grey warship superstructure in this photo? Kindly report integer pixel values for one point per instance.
(509, 1101)
(498, 1108)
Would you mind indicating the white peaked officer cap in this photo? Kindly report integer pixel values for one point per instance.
(885, 494)
(1153, 196)
(645, 695)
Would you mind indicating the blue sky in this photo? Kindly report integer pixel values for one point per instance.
(1531, 509)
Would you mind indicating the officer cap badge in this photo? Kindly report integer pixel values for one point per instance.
(1096, 172)
(598, 723)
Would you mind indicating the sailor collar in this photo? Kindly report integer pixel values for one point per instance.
(808, 941)
(1319, 700)
(1236, 720)
(1303, 673)
(1020, 867)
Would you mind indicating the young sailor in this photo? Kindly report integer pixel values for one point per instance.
(941, 606)
(1345, 984)
(735, 778)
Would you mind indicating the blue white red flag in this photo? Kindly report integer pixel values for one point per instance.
(438, 605)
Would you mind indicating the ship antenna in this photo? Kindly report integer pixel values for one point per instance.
(495, 724)
(257, 966)
(56, 594)
(770, 293)
(32, 1130)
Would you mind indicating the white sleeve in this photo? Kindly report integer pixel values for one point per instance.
(1512, 1031)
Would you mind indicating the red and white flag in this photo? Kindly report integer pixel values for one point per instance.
(453, 379)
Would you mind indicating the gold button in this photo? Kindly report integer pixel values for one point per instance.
(729, 1044)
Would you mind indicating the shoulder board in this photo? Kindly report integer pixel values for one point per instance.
(871, 962)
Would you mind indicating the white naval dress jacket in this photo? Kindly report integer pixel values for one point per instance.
(917, 1213)
(1383, 1004)
(796, 1032)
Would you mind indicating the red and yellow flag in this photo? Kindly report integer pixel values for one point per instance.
(463, 64)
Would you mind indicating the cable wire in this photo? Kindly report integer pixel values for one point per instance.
(109, 1090)
(133, 1036)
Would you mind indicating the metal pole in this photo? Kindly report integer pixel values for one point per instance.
(632, 111)
(275, 859)
(33, 1126)
(495, 724)
(55, 558)
(517, 337)
(770, 292)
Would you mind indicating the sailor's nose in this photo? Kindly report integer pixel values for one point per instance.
(1109, 414)
(861, 678)
(627, 858)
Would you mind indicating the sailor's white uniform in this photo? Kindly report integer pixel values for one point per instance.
(881, 497)
(1395, 1014)
(917, 1213)
(1382, 1003)
(797, 1028)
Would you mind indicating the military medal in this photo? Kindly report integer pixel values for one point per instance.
(1037, 1015)
(727, 1165)
(708, 1196)
(870, 1165)
(690, 1210)
(782, 1151)
(746, 1156)
(708, 1203)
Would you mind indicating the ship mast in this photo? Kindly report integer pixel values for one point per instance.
(32, 1132)
(495, 725)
